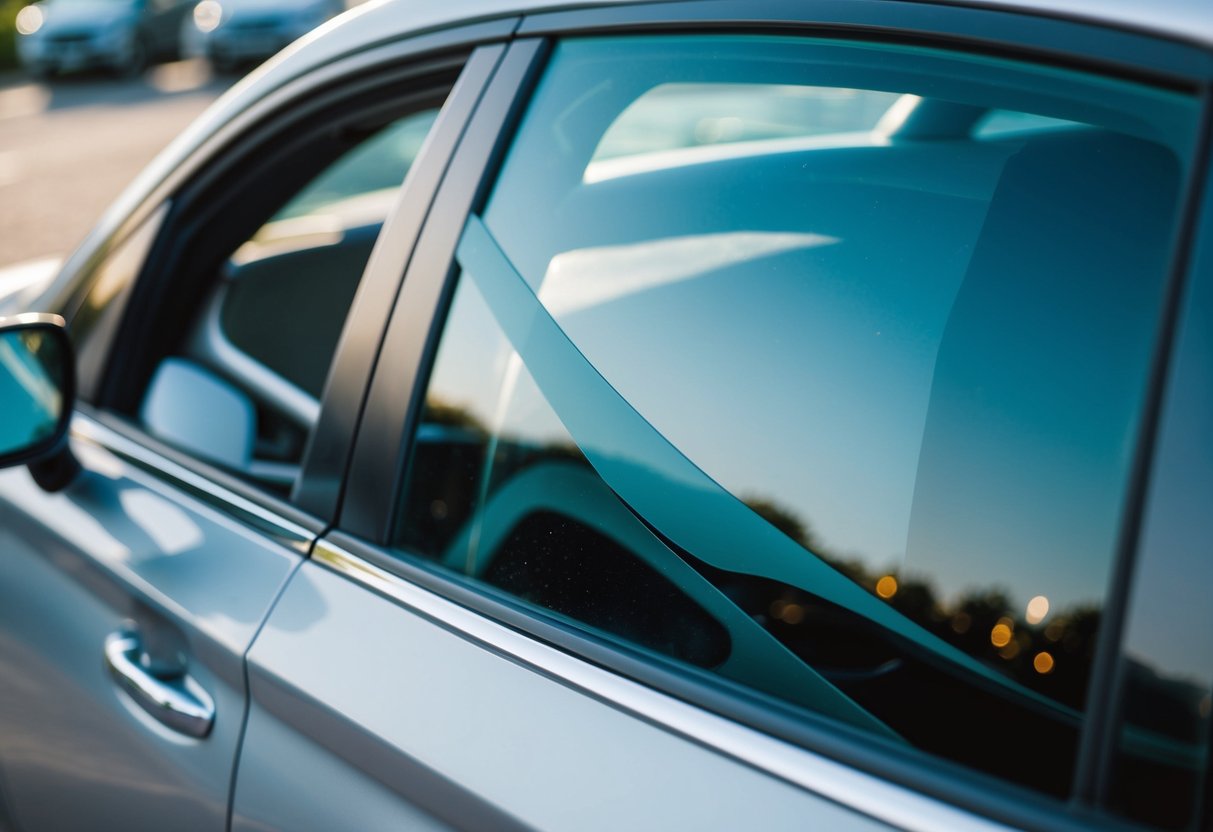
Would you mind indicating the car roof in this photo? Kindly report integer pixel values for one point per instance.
(381, 21)
(1187, 20)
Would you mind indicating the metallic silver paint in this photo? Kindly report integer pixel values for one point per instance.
(268, 794)
(540, 751)
(121, 544)
(273, 526)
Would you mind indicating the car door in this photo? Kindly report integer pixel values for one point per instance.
(208, 443)
(753, 441)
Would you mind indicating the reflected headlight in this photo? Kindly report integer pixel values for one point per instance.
(30, 20)
(207, 15)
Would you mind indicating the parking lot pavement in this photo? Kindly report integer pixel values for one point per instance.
(68, 148)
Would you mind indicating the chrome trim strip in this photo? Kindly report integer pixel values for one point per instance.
(176, 701)
(286, 532)
(852, 788)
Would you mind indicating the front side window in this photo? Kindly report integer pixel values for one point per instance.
(241, 386)
(818, 365)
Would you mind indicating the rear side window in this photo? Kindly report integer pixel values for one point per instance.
(837, 352)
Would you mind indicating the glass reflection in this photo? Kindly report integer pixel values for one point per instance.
(31, 383)
(880, 395)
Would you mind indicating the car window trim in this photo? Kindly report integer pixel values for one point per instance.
(416, 318)
(326, 459)
(275, 519)
(947, 24)
(1100, 735)
(131, 343)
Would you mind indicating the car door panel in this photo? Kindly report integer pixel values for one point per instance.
(271, 799)
(526, 751)
(121, 548)
(151, 542)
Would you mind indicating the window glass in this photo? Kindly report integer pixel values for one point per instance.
(243, 389)
(96, 310)
(376, 167)
(791, 325)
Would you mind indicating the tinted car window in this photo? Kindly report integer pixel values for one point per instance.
(848, 343)
(243, 388)
(296, 276)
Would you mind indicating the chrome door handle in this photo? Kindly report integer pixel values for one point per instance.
(174, 699)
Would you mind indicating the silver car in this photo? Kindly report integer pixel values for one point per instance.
(633, 415)
(125, 36)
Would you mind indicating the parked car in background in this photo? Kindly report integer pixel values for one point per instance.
(60, 36)
(556, 414)
(232, 33)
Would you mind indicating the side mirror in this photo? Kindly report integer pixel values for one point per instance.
(37, 397)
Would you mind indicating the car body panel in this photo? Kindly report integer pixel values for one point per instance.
(21, 283)
(120, 546)
(541, 752)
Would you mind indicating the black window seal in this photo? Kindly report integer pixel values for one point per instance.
(222, 481)
(1098, 742)
(1037, 36)
(139, 341)
(327, 459)
(451, 48)
(401, 372)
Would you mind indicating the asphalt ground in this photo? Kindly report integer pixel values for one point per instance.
(68, 148)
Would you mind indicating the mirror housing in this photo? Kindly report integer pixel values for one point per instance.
(37, 397)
